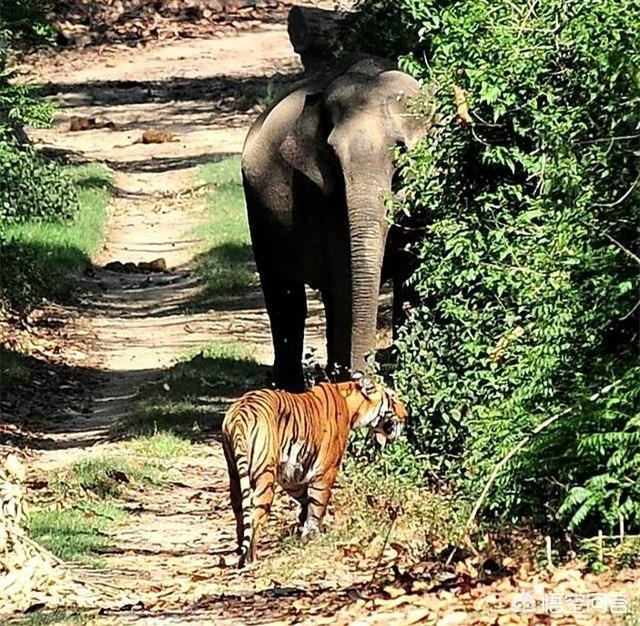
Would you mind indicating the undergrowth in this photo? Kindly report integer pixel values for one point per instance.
(82, 502)
(372, 516)
(43, 257)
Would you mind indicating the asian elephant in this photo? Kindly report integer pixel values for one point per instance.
(317, 167)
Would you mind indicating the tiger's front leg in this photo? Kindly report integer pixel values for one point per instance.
(318, 496)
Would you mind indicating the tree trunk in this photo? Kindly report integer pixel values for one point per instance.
(315, 34)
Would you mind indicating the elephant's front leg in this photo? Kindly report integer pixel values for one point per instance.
(337, 307)
(287, 308)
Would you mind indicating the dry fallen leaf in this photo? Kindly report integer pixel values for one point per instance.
(462, 108)
(453, 619)
(393, 591)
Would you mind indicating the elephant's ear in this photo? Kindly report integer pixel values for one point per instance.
(409, 126)
(305, 146)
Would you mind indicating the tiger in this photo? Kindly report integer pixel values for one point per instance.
(297, 440)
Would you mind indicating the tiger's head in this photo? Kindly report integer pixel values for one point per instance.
(379, 408)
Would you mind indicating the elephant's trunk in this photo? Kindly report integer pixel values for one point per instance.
(368, 231)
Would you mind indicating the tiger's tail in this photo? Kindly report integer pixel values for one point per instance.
(235, 443)
(242, 464)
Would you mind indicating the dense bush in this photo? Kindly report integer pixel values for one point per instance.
(24, 22)
(30, 187)
(43, 240)
(528, 281)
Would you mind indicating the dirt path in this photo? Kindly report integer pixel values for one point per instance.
(206, 92)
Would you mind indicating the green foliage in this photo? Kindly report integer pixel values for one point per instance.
(32, 187)
(24, 22)
(528, 294)
(43, 257)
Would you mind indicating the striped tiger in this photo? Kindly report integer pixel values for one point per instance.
(297, 440)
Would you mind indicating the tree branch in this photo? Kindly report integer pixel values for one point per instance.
(625, 250)
(521, 444)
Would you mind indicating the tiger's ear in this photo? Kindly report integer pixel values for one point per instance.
(366, 386)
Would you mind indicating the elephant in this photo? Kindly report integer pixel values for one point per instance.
(317, 168)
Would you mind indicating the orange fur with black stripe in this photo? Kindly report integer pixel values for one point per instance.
(297, 440)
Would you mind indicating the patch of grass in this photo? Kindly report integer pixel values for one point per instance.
(59, 617)
(227, 266)
(73, 534)
(162, 445)
(194, 394)
(106, 477)
(86, 488)
(14, 369)
(223, 368)
(43, 258)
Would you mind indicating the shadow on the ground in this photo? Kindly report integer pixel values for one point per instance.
(223, 93)
(165, 164)
(280, 604)
(191, 398)
(75, 406)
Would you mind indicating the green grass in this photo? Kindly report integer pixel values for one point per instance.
(226, 266)
(106, 477)
(74, 534)
(193, 395)
(59, 617)
(44, 258)
(14, 369)
(87, 489)
(161, 445)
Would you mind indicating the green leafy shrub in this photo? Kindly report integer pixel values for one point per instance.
(31, 187)
(528, 284)
(24, 22)
(42, 256)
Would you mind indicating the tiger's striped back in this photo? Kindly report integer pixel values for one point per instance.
(297, 440)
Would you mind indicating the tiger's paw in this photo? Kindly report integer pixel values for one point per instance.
(309, 530)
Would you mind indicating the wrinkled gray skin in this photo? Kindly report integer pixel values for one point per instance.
(317, 167)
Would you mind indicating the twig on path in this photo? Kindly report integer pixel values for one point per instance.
(521, 444)
(393, 514)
